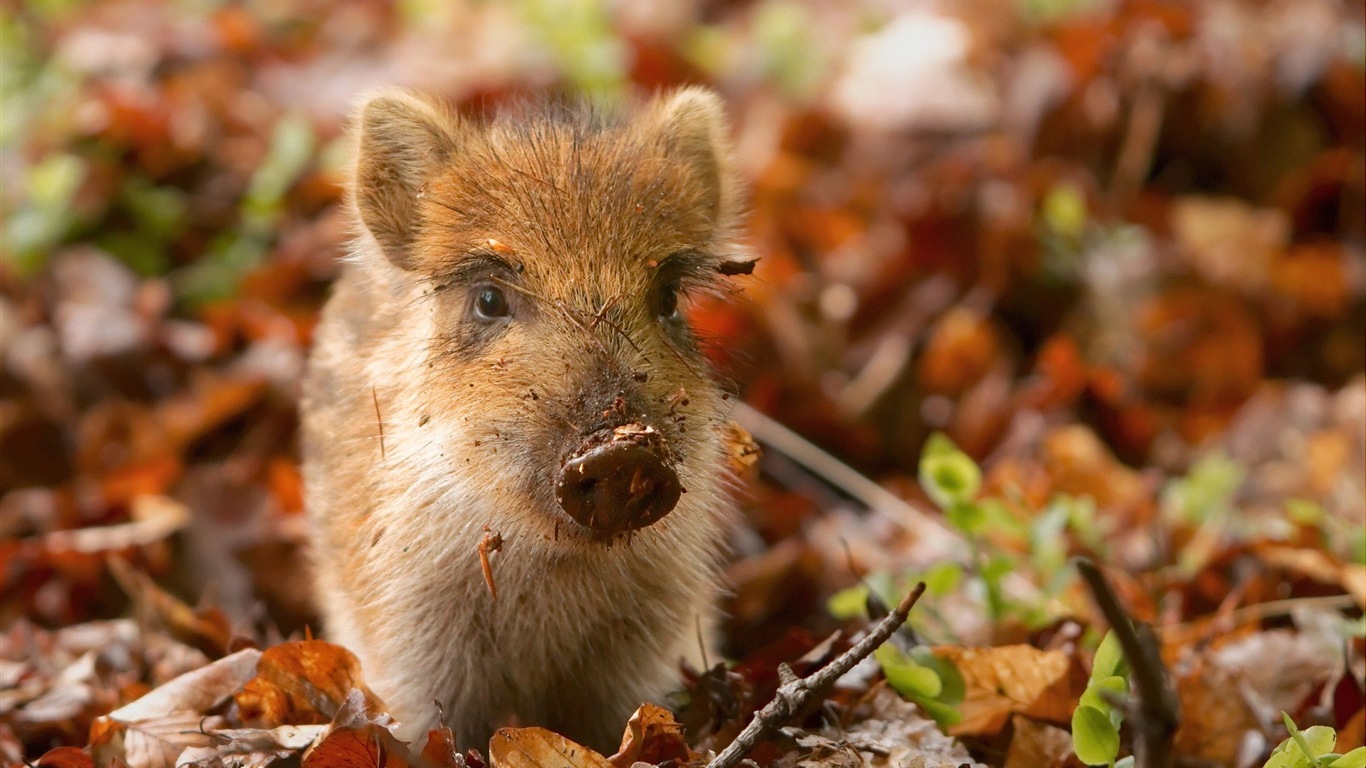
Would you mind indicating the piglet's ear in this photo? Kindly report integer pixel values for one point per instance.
(692, 125)
(403, 141)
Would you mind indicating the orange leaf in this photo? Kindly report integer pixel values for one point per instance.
(65, 757)
(1011, 679)
(539, 748)
(301, 683)
(652, 736)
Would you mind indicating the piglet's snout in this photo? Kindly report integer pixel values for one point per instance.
(618, 480)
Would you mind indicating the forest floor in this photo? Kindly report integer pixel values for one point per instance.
(1037, 282)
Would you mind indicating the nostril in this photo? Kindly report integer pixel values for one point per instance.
(618, 481)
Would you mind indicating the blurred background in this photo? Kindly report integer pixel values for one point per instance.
(1113, 249)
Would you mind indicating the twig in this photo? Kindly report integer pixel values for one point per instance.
(934, 533)
(1157, 716)
(797, 692)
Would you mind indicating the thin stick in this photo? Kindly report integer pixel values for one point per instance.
(797, 692)
(1157, 715)
(933, 532)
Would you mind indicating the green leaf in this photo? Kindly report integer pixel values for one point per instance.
(953, 688)
(1099, 693)
(1304, 747)
(1064, 210)
(944, 714)
(907, 677)
(1304, 512)
(1205, 492)
(966, 517)
(848, 603)
(1109, 660)
(948, 475)
(943, 578)
(1095, 738)
(1354, 759)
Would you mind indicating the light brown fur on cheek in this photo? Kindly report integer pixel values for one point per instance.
(477, 415)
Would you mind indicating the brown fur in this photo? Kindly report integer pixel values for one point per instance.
(584, 224)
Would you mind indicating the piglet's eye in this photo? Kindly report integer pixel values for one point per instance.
(490, 303)
(668, 302)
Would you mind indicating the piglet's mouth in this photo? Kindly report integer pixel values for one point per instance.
(618, 480)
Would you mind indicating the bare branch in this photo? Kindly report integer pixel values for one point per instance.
(1157, 715)
(797, 692)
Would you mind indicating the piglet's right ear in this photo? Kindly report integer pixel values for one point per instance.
(403, 142)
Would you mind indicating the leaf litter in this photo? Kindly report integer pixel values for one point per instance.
(1112, 252)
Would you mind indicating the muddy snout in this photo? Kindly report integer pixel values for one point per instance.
(618, 480)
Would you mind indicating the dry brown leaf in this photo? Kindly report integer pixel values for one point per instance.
(540, 748)
(440, 750)
(300, 683)
(1215, 719)
(208, 630)
(65, 757)
(154, 519)
(1011, 679)
(742, 453)
(211, 400)
(1038, 745)
(652, 736)
(152, 731)
(888, 732)
(358, 738)
(1315, 564)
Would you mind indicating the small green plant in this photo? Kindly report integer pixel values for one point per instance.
(952, 480)
(1313, 748)
(1096, 720)
(933, 683)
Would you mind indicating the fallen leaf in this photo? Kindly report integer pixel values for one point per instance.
(540, 748)
(1010, 679)
(889, 733)
(1037, 745)
(65, 757)
(301, 683)
(652, 736)
(358, 738)
(1215, 718)
(152, 731)
(154, 519)
(440, 750)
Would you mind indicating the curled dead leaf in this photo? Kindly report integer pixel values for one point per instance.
(652, 736)
(358, 737)
(300, 683)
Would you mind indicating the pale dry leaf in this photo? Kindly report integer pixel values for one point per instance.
(154, 519)
(152, 731)
(195, 692)
(252, 747)
(540, 748)
(890, 732)
(159, 741)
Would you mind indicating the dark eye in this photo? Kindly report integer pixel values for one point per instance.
(490, 303)
(668, 302)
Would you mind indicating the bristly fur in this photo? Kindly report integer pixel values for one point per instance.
(586, 226)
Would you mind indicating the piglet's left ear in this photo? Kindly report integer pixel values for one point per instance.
(692, 126)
